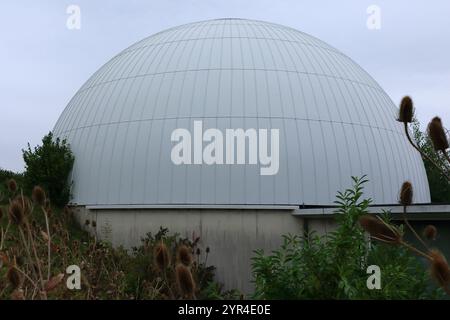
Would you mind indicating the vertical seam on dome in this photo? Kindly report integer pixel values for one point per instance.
(287, 170)
(138, 129)
(346, 105)
(76, 143)
(256, 105)
(357, 113)
(156, 100)
(331, 67)
(203, 115)
(294, 109)
(115, 153)
(185, 171)
(101, 76)
(152, 103)
(322, 142)
(377, 99)
(333, 86)
(114, 141)
(121, 155)
(106, 131)
(128, 127)
(203, 26)
(376, 133)
(150, 127)
(308, 124)
(374, 145)
(319, 79)
(163, 124)
(269, 105)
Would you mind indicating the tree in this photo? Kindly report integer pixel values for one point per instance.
(439, 185)
(49, 166)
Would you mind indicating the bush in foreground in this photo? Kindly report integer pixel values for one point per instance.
(334, 266)
(49, 166)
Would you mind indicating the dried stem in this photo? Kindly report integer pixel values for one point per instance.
(2, 242)
(48, 243)
(166, 280)
(410, 247)
(412, 229)
(27, 250)
(38, 262)
(28, 278)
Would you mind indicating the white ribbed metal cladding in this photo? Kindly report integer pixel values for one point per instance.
(334, 120)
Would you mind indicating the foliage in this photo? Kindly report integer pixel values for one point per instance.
(439, 185)
(334, 265)
(5, 176)
(49, 165)
(38, 253)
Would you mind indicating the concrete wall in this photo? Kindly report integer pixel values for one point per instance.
(232, 235)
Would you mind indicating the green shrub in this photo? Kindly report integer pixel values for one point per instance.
(49, 166)
(334, 266)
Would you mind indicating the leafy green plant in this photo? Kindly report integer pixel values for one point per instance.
(49, 166)
(334, 265)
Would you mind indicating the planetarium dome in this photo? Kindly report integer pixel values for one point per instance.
(334, 121)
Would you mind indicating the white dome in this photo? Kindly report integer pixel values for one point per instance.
(334, 120)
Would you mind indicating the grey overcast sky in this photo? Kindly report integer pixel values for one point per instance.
(43, 63)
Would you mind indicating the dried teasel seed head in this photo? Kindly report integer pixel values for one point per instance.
(12, 185)
(25, 202)
(162, 257)
(44, 236)
(406, 111)
(184, 255)
(53, 282)
(38, 195)
(207, 250)
(406, 194)
(17, 294)
(94, 224)
(16, 212)
(87, 222)
(440, 270)
(437, 135)
(3, 258)
(198, 251)
(430, 232)
(14, 277)
(379, 229)
(185, 281)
